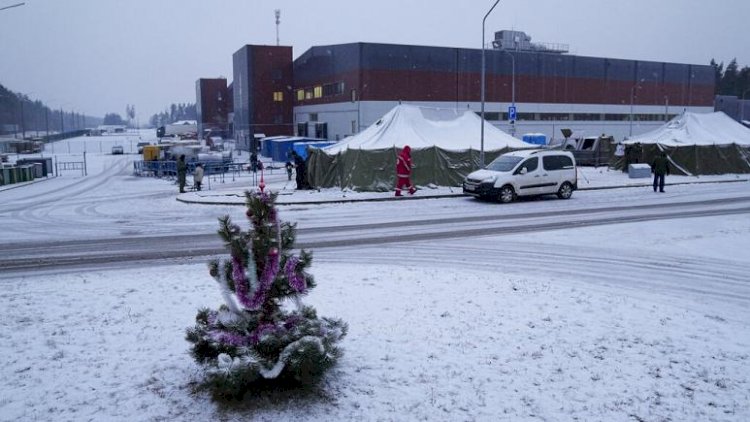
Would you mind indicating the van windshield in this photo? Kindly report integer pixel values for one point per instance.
(504, 163)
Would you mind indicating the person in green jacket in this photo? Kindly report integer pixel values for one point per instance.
(660, 168)
(181, 172)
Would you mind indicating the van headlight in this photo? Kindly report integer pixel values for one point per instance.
(490, 179)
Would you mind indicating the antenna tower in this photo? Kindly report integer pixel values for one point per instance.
(277, 12)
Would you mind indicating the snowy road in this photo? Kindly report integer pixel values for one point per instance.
(619, 304)
(16, 257)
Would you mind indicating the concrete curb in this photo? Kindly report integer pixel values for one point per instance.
(279, 201)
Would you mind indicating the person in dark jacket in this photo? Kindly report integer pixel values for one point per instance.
(289, 167)
(660, 168)
(299, 165)
(181, 172)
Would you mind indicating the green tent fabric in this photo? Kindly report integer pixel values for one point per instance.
(375, 170)
(445, 146)
(696, 144)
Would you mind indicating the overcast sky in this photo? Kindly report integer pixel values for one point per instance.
(96, 56)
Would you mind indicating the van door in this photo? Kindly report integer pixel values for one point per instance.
(529, 181)
(557, 169)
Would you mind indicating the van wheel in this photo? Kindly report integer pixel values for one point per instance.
(506, 194)
(565, 192)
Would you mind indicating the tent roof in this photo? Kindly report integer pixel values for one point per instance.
(424, 127)
(696, 129)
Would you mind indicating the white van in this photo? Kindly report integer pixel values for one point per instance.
(525, 173)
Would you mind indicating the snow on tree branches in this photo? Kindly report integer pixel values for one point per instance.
(263, 332)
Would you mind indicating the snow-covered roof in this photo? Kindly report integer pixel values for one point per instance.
(184, 122)
(424, 127)
(696, 129)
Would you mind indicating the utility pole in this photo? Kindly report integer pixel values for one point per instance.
(481, 141)
(62, 121)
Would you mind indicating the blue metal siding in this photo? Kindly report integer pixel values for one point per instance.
(675, 73)
(408, 57)
(649, 72)
(322, 63)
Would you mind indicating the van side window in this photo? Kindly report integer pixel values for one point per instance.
(588, 143)
(557, 162)
(531, 164)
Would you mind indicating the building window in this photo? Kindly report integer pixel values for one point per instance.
(553, 116)
(321, 130)
(302, 129)
(318, 91)
(300, 94)
(587, 116)
(277, 74)
(354, 126)
(278, 96)
(308, 94)
(278, 119)
(616, 117)
(313, 117)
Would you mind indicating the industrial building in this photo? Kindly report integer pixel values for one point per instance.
(213, 104)
(337, 90)
(262, 92)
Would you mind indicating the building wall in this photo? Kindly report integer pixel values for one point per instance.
(241, 89)
(260, 73)
(272, 76)
(341, 118)
(383, 72)
(550, 90)
(212, 98)
(734, 107)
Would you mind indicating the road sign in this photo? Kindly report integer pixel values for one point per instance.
(512, 113)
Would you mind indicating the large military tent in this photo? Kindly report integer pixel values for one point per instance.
(445, 147)
(709, 143)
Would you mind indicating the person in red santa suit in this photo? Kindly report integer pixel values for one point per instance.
(403, 171)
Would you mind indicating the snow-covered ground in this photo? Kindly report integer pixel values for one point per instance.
(639, 321)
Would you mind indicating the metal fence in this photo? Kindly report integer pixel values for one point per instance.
(168, 169)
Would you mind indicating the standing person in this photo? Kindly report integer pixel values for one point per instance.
(620, 154)
(660, 168)
(254, 162)
(181, 172)
(198, 176)
(403, 171)
(289, 167)
(299, 164)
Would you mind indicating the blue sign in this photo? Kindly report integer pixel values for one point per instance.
(512, 113)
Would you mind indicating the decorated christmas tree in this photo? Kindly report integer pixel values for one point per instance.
(262, 333)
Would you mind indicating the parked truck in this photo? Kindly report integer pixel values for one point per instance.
(587, 150)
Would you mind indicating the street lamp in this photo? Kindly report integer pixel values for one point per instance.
(12, 6)
(512, 88)
(666, 108)
(481, 143)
